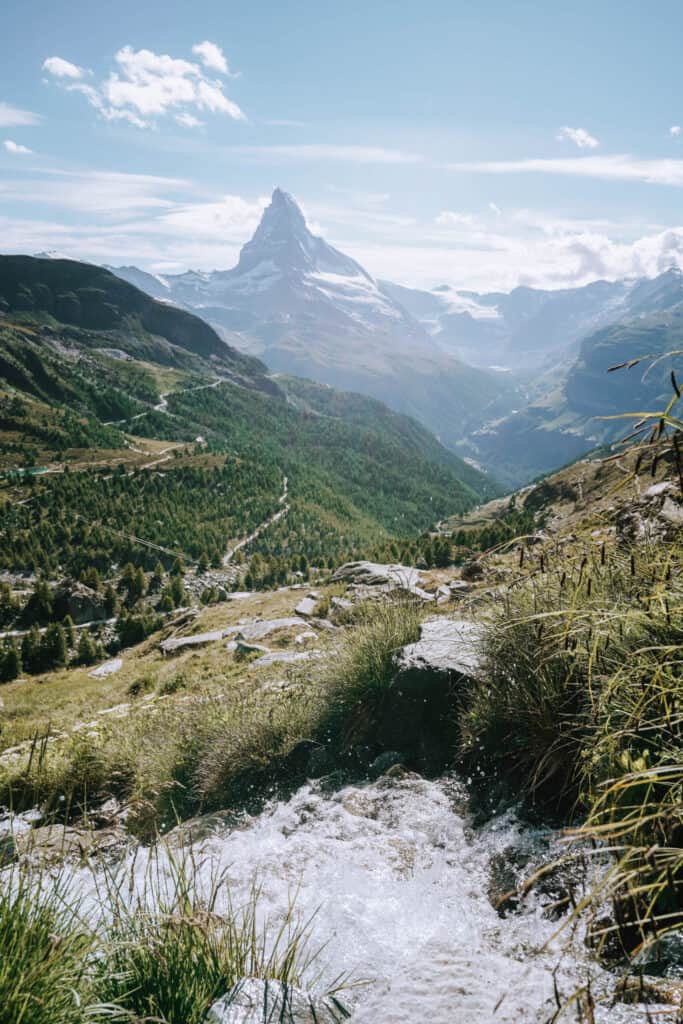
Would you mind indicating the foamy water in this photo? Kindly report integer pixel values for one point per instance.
(399, 881)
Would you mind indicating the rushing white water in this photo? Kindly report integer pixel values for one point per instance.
(399, 882)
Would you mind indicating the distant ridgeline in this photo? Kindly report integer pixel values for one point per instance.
(95, 375)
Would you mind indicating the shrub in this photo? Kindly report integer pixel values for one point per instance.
(172, 952)
(43, 952)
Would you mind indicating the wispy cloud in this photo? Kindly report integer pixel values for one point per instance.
(61, 68)
(675, 130)
(452, 218)
(324, 151)
(16, 149)
(145, 86)
(107, 193)
(579, 136)
(14, 117)
(619, 167)
(284, 122)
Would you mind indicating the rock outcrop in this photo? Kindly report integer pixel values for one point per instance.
(420, 710)
(374, 574)
(82, 603)
(656, 515)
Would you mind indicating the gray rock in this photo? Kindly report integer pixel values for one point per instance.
(376, 574)
(320, 763)
(341, 604)
(459, 587)
(384, 762)
(253, 1001)
(259, 630)
(273, 657)
(9, 850)
(244, 648)
(445, 645)
(177, 643)
(107, 668)
(306, 607)
(80, 602)
(421, 706)
(671, 512)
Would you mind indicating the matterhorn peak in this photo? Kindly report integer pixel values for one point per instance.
(283, 241)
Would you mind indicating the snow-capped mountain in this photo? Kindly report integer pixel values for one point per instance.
(289, 280)
(530, 327)
(307, 309)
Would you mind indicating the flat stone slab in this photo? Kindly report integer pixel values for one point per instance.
(253, 1001)
(445, 645)
(285, 656)
(107, 668)
(306, 608)
(374, 574)
(179, 642)
(260, 629)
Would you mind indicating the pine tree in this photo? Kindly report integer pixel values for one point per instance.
(53, 649)
(10, 663)
(69, 629)
(87, 649)
(30, 650)
(111, 601)
(177, 591)
(157, 581)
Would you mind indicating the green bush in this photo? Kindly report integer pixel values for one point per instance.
(44, 950)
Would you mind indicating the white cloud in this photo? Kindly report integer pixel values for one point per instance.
(145, 86)
(61, 68)
(619, 167)
(675, 130)
(188, 121)
(109, 193)
(13, 117)
(16, 149)
(579, 136)
(450, 218)
(494, 208)
(211, 56)
(323, 151)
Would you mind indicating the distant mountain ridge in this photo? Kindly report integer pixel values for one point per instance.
(529, 327)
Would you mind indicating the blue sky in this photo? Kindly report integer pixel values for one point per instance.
(483, 145)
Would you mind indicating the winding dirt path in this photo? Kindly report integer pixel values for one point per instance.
(274, 518)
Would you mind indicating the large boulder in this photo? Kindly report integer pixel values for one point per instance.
(419, 712)
(374, 574)
(82, 603)
(307, 607)
(655, 515)
(253, 1001)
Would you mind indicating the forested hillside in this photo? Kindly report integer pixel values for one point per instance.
(135, 444)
